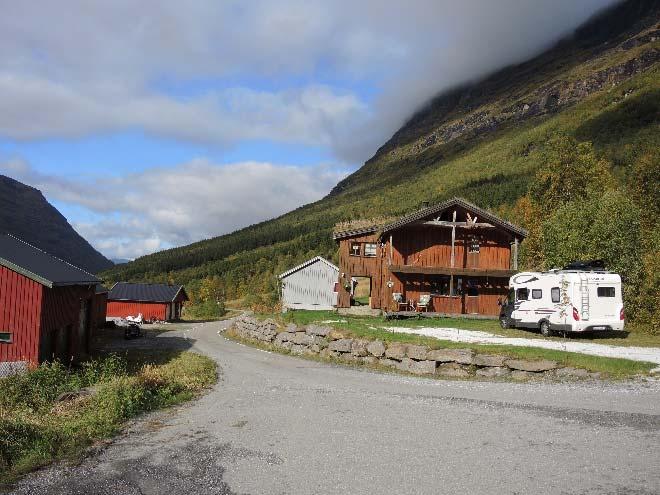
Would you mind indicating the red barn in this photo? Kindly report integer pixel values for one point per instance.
(101, 305)
(154, 301)
(46, 306)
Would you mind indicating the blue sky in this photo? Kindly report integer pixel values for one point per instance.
(153, 126)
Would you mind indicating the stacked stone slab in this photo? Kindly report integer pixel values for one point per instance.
(323, 341)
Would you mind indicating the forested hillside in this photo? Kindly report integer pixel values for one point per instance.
(565, 144)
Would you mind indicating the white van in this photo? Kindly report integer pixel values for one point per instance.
(568, 300)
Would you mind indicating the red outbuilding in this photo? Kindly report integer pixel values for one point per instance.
(153, 301)
(47, 307)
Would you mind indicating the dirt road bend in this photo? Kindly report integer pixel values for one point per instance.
(276, 424)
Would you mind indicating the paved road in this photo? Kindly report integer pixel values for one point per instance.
(280, 425)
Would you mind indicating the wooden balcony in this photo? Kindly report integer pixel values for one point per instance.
(442, 270)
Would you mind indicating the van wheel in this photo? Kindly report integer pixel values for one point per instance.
(545, 329)
(504, 322)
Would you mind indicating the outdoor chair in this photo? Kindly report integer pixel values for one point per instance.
(401, 304)
(424, 302)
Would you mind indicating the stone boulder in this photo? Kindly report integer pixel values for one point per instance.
(376, 348)
(298, 349)
(531, 366)
(461, 356)
(396, 351)
(390, 363)
(417, 352)
(327, 353)
(494, 371)
(422, 367)
(341, 345)
(452, 370)
(359, 348)
(301, 338)
(320, 331)
(489, 360)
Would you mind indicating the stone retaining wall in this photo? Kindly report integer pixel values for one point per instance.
(325, 342)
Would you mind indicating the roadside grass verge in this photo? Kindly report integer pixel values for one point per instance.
(624, 339)
(371, 328)
(36, 428)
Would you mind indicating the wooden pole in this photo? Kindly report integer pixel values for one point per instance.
(515, 254)
(390, 249)
(453, 242)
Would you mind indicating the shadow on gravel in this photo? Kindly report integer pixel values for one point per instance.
(190, 467)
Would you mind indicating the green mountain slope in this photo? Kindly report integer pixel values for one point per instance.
(25, 213)
(484, 142)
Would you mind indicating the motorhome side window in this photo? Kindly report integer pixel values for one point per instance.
(605, 291)
(537, 293)
(522, 295)
(555, 294)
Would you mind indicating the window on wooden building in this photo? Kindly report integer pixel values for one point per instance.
(5, 337)
(356, 249)
(473, 246)
(370, 250)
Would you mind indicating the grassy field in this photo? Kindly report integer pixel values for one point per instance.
(36, 428)
(373, 328)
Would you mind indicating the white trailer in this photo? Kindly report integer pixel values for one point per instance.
(562, 301)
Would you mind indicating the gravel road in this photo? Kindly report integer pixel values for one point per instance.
(276, 424)
(649, 354)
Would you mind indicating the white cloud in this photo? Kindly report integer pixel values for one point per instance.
(97, 66)
(163, 207)
(36, 108)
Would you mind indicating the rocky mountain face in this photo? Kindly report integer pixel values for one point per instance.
(611, 49)
(25, 213)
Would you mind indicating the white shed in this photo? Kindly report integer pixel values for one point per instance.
(310, 285)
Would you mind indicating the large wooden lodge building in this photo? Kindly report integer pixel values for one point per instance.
(455, 254)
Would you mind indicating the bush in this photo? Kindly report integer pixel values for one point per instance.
(206, 310)
(35, 429)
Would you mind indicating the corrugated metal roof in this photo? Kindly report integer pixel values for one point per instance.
(40, 266)
(307, 263)
(125, 291)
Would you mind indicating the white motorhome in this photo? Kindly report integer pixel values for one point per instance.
(583, 299)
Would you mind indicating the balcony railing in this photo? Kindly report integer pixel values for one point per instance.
(441, 270)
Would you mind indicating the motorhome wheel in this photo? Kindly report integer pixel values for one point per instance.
(545, 329)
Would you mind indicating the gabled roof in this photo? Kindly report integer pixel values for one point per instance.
(434, 210)
(38, 265)
(161, 293)
(355, 232)
(307, 263)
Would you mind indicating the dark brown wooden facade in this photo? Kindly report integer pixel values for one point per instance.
(413, 257)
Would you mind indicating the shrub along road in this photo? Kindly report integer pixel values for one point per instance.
(279, 424)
